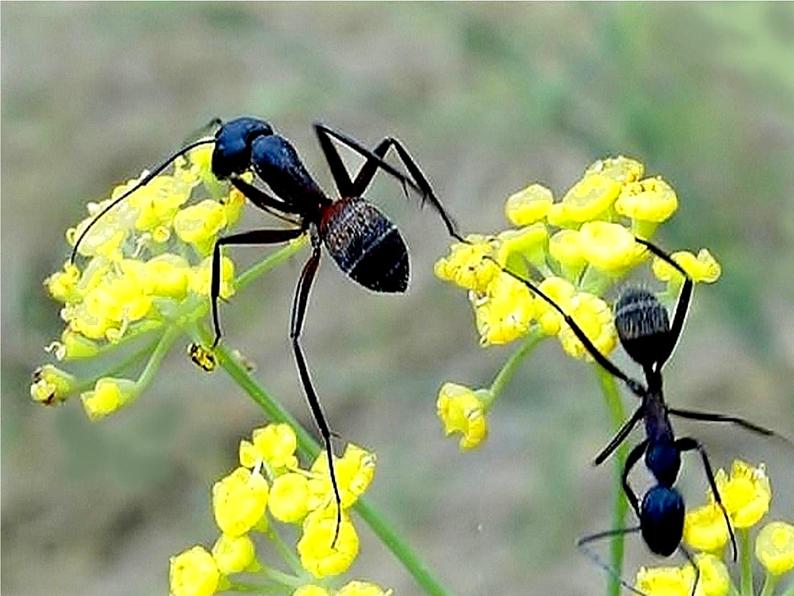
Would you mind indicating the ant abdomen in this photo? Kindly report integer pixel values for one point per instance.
(642, 324)
(662, 519)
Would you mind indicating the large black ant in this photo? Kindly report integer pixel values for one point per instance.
(365, 244)
(649, 338)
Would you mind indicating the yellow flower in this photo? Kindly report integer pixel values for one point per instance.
(463, 411)
(595, 318)
(703, 268)
(74, 346)
(466, 265)
(106, 237)
(746, 493)
(318, 553)
(665, 581)
(51, 385)
(651, 200)
(201, 276)
(199, 224)
(608, 247)
(159, 201)
(359, 588)
(564, 247)
(276, 444)
(526, 243)
(239, 501)
(589, 198)
(108, 395)
(714, 578)
(561, 291)
(193, 573)
(311, 590)
(504, 313)
(354, 473)
(529, 205)
(621, 169)
(234, 554)
(169, 274)
(289, 497)
(62, 285)
(705, 528)
(774, 547)
(233, 206)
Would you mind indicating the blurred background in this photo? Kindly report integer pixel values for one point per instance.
(488, 98)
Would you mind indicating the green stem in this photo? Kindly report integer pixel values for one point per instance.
(745, 556)
(509, 369)
(156, 359)
(310, 448)
(270, 262)
(283, 578)
(620, 505)
(286, 553)
(788, 591)
(769, 584)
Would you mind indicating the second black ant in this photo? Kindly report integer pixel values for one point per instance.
(363, 242)
(649, 337)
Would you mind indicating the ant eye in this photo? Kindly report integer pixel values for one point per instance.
(642, 324)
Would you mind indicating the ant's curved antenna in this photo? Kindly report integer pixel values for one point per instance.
(146, 179)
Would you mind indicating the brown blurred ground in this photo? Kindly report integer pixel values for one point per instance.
(488, 98)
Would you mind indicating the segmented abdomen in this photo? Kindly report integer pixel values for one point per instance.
(366, 245)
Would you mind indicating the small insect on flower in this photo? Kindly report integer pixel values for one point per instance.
(247, 152)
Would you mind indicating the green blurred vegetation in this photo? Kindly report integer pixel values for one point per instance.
(488, 98)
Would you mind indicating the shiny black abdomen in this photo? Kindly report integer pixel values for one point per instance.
(366, 245)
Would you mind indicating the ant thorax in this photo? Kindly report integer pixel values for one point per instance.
(643, 325)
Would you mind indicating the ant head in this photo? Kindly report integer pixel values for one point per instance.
(642, 324)
(662, 519)
(232, 153)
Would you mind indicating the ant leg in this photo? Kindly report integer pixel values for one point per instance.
(635, 386)
(368, 170)
(681, 307)
(253, 237)
(631, 461)
(335, 164)
(296, 325)
(323, 132)
(690, 444)
(692, 562)
(713, 417)
(582, 543)
(620, 436)
(264, 201)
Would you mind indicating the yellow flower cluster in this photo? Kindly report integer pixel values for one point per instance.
(574, 250)
(270, 481)
(463, 411)
(142, 266)
(746, 493)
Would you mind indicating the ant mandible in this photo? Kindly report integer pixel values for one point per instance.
(365, 244)
(649, 338)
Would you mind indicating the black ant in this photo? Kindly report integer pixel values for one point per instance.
(365, 244)
(649, 338)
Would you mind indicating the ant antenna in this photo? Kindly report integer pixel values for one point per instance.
(146, 179)
(582, 543)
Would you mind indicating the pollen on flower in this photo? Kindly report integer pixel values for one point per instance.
(746, 493)
(590, 198)
(239, 501)
(621, 169)
(714, 579)
(705, 528)
(193, 573)
(199, 224)
(701, 268)
(467, 265)
(774, 547)
(319, 555)
(504, 313)
(651, 200)
(665, 581)
(354, 473)
(462, 410)
(276, 444)
(528, 205)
